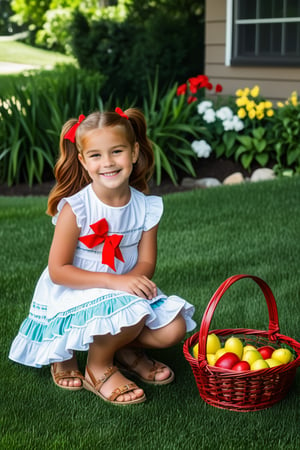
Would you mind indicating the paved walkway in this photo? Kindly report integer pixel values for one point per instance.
(8, 67)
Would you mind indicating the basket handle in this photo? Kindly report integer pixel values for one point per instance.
(207, 317)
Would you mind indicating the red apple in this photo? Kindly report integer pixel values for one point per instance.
(241, 366)
(266, 351)
(227, 361)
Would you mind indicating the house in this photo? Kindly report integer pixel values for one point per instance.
(253, 42)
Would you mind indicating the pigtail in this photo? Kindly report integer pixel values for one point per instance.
(69, 173)
(143, 168)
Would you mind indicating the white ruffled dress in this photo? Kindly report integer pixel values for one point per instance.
(62, 320)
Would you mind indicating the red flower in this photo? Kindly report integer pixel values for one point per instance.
(218, 88)
(181, 90)
(193, 88)
(191, 99)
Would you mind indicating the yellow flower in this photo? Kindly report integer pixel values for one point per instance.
(246, 91)
(270, 112)
(260, 115)
(268, 104)
(280, 104)
(252, 114)
(260, 106)
(294, 98)
(241, 113)
(242, 101)
(254, 91)
(239, 93)
(250, 105)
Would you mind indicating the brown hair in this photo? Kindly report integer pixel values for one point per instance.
(70, 174)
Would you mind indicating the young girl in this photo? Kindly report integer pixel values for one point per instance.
(96, 293)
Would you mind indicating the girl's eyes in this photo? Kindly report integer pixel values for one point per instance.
(98, 155)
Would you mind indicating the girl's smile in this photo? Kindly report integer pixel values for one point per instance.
(108, 158)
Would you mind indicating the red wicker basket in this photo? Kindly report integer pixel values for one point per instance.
(247, 390)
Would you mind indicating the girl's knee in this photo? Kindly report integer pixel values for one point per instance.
(175, 331)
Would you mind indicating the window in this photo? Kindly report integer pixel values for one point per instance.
(266, 32)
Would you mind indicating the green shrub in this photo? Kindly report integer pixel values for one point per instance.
(32, 117)
(172, 126)
(128, 52)
(287, 135)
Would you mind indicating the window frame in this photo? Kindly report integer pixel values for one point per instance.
(231, 59)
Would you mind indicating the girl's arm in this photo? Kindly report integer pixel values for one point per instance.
(63, 272)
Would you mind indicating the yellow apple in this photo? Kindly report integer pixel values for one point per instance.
(273, 362)
(220, 353)
(283, 355)
(195, 351)
(234, 345)
(213, 343)
(211, 359)
(251, 355)
(259, 364)
(248, 347)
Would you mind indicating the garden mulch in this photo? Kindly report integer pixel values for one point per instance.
(211, 167)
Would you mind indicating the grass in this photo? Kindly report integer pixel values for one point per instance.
(18, 52)
(205, 236)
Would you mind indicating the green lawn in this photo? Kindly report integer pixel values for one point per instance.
(18, 52)
(205, 236)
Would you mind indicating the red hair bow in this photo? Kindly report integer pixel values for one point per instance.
(72, 131)
(111, 243)
(121, 113)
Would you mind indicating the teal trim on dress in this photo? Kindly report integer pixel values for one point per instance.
(38, 328)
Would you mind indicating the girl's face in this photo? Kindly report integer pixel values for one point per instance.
(108, 158)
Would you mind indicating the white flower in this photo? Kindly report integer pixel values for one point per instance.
(228, 125)
(203, 106)
(238, 123)
(209, 116)
(201, 148)
(234, 124)
(224, 113)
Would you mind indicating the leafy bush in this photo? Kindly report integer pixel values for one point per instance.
(172, 126)
(31, 119)
(287, 135)
(128, 52)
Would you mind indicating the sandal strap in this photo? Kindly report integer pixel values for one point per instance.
(107, 374)
(122, 390)
(155, 370)
(66, 374)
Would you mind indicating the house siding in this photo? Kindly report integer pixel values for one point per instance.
(276, 83)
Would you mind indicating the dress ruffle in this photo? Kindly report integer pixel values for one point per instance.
(42, 341)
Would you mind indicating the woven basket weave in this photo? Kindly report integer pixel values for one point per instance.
(247, 390)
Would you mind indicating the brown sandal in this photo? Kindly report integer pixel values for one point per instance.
(57, 376)
(95, 386)
(155, 369)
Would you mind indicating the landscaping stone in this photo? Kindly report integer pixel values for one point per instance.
(193, 183)
(208, 182)
(262, 174)
(234, 178)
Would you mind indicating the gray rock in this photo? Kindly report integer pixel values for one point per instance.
(262, 174)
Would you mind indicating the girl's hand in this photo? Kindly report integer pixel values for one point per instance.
(139, 285)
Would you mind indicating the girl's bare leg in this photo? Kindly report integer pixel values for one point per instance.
(164, 337)
(101, 355)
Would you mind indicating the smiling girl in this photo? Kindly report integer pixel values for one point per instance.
(97, 293)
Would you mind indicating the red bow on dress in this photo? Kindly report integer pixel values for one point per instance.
(111, 243)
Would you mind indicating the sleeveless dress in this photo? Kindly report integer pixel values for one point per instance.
(62, 320)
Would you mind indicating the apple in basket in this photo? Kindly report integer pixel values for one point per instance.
(266, 351)
(241, 366)
(227, 361)
(283, 355)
